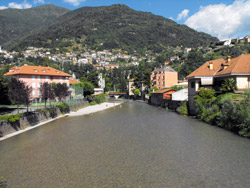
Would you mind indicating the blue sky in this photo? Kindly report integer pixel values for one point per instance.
(220, 18)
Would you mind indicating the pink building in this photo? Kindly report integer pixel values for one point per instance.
(34, 76)
(164, 77)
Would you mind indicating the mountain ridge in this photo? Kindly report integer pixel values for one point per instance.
(17, 22)
(115, 26)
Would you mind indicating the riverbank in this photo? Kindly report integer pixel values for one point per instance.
(84, 111)
(30, 128)
(95, 108)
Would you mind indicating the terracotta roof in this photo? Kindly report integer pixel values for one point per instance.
(71, 81)
(238, 65)
(204, 70)
(163, 90)
(164, 69)
(36, 70)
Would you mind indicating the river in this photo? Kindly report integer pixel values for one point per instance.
(135, 145)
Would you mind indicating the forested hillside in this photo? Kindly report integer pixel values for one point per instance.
(116, 26)
(17, 22)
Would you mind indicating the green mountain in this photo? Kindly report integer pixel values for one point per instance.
(116, 26)
(17, 22)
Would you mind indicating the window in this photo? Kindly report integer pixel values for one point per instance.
(33, 92)
(33, 77)
(38, 77)
(192, 84)
(33, 85)
(38, 85)
(60, 78)
(38, 92)
(47, 78)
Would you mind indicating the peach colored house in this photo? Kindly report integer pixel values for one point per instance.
(164, 77)
(212, 74)
(34, 76)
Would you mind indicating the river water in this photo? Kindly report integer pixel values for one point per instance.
(135, 145)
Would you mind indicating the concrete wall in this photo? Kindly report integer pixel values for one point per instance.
(156, 99)
(191, 93)
(34, 118)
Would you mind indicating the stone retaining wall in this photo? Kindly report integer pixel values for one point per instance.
(34, 118)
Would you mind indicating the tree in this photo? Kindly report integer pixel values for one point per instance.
(203, 101)
(153, 89)
(18, 92)
(93, 78)
(88, 88)
(47, 92)
(61, 91)
(26, 96)
(229, 85)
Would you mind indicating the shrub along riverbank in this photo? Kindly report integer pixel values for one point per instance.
(230, 111)
(12, 123)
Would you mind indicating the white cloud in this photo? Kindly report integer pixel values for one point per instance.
(74, 2)
(183, 14)
(22, 5)
(3, 7)
(38, 1)
(223, 21)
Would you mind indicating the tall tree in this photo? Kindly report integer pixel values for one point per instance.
(26, 96)
(61, 91)
(18, 92)
(47, 92)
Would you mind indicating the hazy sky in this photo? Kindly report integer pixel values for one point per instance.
(220, 18)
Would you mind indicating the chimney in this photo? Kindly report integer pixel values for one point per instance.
(211, 66)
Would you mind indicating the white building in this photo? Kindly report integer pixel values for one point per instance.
(83, 61)
(101, 82)
(181, 95)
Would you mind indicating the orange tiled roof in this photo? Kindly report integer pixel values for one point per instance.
(71, 81)
(36, 70)
(163, 90)
(238, 65)
(204, 70)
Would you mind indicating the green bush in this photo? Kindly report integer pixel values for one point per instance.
(224, 111)
(11, 118)
(52, 111)
(99, 99)
(62, 106)
(183, 110)
(4, 117)
(93, 103)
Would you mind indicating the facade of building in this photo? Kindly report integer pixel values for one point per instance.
(34, 76)
(212, 74)
(164, 77)
(158, 97)
(131, 87)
